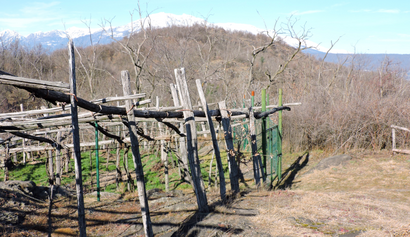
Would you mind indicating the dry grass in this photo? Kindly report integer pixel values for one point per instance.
(371, 194)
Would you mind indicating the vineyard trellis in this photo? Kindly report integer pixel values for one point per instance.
(181, 119)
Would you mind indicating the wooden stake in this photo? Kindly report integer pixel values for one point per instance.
(164, 155)
(76, 142)
(125, 77)
(222, 188)
(58, 160)
(254, 146)
(24, 140)
(182, 143)
(226, 124)
(192, 142)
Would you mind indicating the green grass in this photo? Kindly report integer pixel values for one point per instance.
(154, 175)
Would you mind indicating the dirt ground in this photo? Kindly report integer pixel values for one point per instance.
(369, 195)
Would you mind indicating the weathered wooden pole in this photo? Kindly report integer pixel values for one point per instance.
(192, 142)
(97, 161)
(254, 147)
(393, 135)
(50, 166)
(264, 139)
(222, 188)
(67, 160)
(182, 144)
(279, 166)
(118, 175)
(7, 162)
(76, 142)
(146, 219)
(58, 160)
(24, 140)
(164, 154)
(226, 124)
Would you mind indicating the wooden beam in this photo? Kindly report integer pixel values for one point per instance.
(118, 98)
(33, 83)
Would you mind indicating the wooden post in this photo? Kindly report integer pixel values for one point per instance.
(254, 146)
(226, 124)
(97, 161)
(279, 166)
(393, 135)
(264, 128)
(145, 129)
(164, 155)
(67, 160)
(222, 187)
(203, 127)
(192, 142)
(58, 160)
(15, 154)
(182, 144)
(51, 167)
(118, 175)
(76, 142)
(7, 162)
(125, 78)
(127, 171)
(24, 140)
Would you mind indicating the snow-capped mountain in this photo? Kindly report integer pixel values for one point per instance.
(58, 39)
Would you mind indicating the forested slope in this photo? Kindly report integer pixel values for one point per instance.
(343, 107)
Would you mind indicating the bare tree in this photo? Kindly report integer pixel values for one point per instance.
(134, 44)
(300, 36)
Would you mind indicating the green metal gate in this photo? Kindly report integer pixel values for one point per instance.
(274, 151)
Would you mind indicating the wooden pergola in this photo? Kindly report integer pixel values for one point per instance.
(181, 119)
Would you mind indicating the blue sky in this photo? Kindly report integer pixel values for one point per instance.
(363, 26)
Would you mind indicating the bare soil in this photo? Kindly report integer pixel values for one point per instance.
(366, 196)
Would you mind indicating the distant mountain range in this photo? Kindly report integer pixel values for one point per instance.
(365, 61)
(58, 39)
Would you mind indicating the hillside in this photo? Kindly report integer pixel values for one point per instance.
(343, 107)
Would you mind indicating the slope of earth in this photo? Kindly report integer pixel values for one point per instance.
(367, 196)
